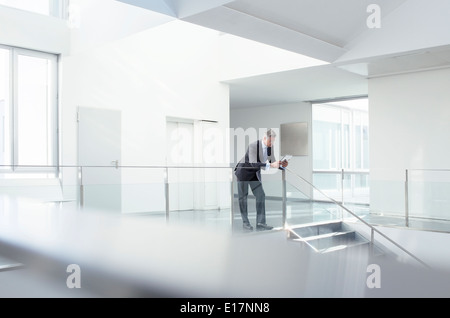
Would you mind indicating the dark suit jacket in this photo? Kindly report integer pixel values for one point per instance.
(251, 164)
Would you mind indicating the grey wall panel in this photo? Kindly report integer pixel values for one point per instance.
(294, 139)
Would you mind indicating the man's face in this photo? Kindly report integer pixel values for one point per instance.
(269, 141)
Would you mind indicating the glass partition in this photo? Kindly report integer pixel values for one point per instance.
(428, 199)
(200, 196)
(271, 195)
(185, 194)
(305, 204)
(344, 186)
(339, 220)
(43, 186)
(197, 196)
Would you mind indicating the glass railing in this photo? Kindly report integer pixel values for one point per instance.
(176, 194)
(304, 204)
(360, 222)
(387, 206)
(345, 186)
(205, 196)
(427, 199)
(419, 201)
(272, 205)
(289, 202)
(127, 190)
(166, 193)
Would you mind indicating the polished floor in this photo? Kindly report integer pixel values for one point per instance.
(298, 213)
(27, 283)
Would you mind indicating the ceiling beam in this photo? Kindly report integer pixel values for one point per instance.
(241, 24)
(177, 8)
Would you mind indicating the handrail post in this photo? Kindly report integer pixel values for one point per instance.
(284, 197)
(232, 200)
(342, 186)
(406, 199)
(342, 192)
(372, 241)
(166, 192)
(80, 181)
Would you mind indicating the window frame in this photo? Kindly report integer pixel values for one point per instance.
(58, 9)
(340, 172)
(351, 160)
(9, 105)
(52, 168)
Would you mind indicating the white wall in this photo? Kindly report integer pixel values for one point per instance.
(167, 71)
(33, 31)
(409, 129)
(98, 22)
(263, 118)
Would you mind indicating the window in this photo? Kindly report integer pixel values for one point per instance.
(46, 7)
(341, 143)
(28, 109)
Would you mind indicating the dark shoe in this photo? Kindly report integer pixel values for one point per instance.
(263, 227)
(248, 227)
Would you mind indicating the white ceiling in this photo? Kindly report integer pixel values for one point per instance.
(306, 84)
(317, 28)
(321, 29)
(424, 59)
(332, 81)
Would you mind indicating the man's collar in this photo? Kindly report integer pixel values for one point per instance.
(263, 143)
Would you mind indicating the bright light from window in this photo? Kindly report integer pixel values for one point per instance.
(28, 83)
(358, 104)
(5, 154)
(37, 6)
(33, 115)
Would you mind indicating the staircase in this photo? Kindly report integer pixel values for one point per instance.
(330, 237)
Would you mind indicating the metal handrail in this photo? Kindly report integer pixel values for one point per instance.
(448, 170)
(115, 167)
(340, 172)
(372, 228)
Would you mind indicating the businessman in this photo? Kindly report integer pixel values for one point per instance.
(259, 156)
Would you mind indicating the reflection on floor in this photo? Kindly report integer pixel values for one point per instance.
(7, 264)
(298, 212)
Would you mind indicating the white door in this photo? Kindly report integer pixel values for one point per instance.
(180, 153)
(99, 155)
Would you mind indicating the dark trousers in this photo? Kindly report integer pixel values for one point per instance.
(260, 196)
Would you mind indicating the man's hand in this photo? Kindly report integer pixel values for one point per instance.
(275, 164)
(284, 164)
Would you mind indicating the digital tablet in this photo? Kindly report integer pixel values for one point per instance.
(286, 158)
